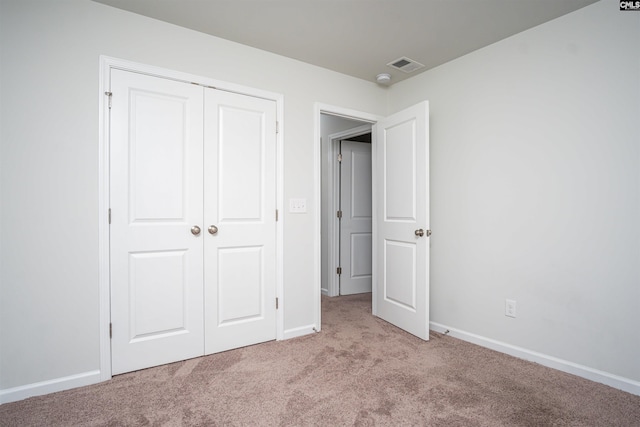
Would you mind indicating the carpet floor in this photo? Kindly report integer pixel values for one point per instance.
(358, 371)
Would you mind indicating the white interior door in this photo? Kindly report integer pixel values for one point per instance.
(402, 225)
(355, 224)
(240, 217)
(156, 198)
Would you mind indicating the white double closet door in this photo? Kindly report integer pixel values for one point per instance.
(193, 232)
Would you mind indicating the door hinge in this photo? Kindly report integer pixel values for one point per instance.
(339, 271)
(276, 215)
(110, 330)
(276, 303)
(277, 126)
(339, 214)
(109, 94)
(109, 215)
(339, 157)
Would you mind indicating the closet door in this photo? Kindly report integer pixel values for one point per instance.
(156, 202)
(240, 215)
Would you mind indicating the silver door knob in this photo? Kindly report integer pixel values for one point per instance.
(420, 232)
(212, 229)
(195, 230)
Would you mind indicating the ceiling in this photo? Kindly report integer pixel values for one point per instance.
(358, 37)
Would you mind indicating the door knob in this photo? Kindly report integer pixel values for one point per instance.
(195, 230)
(212, 229)
(420, 232)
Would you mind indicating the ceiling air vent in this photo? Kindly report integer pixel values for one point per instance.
(405, 64)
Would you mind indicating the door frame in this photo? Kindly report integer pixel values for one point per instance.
(372, 119)
(333, 182)
(104, 286)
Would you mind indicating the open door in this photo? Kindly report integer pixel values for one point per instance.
(402, 220)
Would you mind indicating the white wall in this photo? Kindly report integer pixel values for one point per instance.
(535, 188)
(49, 157)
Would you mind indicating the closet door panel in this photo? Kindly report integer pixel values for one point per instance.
(240, 205)
(156, 198)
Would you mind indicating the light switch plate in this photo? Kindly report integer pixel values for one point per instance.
(298, 205)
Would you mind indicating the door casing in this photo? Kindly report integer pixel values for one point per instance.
(106, 65)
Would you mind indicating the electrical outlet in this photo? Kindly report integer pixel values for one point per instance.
(510, 308)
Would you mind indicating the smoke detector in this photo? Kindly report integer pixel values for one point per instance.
(405, 64)
(383, 78)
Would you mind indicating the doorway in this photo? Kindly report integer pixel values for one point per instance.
(400, 214)
(345, 237)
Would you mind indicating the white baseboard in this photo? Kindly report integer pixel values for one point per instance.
(615, 381)
(298, 332)
(45, 387)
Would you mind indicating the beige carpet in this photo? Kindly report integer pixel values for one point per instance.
(358, 371)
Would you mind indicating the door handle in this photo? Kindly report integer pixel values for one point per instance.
(212, 229)
(420, 232)
(195, 230)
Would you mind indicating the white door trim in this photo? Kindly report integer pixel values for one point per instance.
(106, 64)
(333, 182)
(333, 110)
